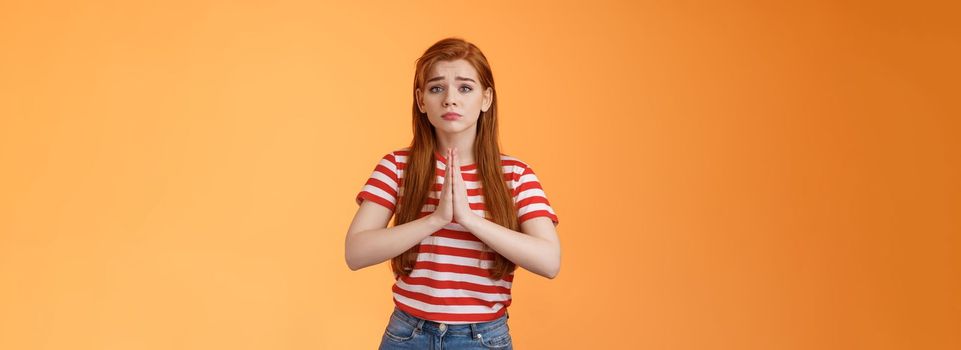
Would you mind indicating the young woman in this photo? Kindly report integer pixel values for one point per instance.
(465, 215)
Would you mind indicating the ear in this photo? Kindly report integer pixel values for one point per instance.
(419, 97)
(488, 99)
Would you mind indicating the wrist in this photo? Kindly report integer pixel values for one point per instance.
(435, 221)
(470, 221)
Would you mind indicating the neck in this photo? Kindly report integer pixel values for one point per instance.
(463, 141)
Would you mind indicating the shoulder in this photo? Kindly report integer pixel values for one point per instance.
(509, 160)
(514, 166)
(397, 157)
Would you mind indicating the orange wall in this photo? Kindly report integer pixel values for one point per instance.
(181, 175)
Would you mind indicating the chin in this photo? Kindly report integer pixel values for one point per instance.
(453, 128)
(450, 129)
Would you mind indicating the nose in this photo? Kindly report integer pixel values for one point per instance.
(449, 100)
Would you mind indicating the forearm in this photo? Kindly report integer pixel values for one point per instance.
(535, 254)
(372, 247)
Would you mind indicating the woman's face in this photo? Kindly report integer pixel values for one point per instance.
(453, 87)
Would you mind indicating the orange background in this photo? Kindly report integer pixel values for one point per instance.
(728, 175)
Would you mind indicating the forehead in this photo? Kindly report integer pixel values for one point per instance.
(451, 69)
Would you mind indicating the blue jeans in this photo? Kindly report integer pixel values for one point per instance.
(405, 331)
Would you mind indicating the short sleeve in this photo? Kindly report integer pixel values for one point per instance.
(530, 199)
(383, 184)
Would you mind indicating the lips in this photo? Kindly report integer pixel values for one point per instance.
(451, 116)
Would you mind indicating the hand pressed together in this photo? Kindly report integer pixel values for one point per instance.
(453, 205)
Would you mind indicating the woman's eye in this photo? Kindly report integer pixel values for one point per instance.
(464, 88)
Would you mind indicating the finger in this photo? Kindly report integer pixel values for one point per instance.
(460, 188)
(449, 175)
(460, 177)
(453, 159)
(456, 168)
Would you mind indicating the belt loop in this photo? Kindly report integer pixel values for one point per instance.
(420, 324)
(473, 331)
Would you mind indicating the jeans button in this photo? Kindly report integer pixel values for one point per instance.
(442, 326)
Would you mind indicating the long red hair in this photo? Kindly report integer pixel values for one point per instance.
(419, 177)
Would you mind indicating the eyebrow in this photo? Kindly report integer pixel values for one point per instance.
(441, 77)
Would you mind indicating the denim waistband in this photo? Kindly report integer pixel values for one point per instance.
(435, 327)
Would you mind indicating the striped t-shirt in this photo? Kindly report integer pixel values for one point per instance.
(450, 282)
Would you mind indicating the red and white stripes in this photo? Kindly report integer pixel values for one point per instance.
(450, 282)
